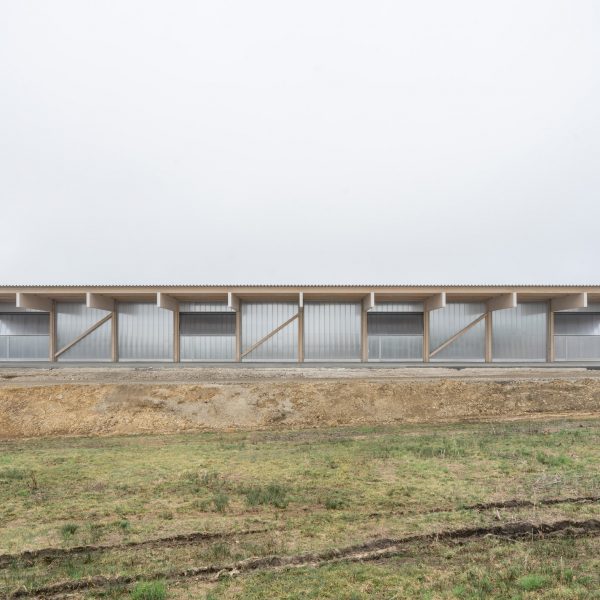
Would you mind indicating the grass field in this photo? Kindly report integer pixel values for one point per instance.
(142, 516)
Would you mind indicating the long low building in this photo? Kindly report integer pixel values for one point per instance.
(300, 323)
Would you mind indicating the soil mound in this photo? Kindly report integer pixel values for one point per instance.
(127, 408)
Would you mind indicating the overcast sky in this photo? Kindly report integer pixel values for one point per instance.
(300, 142)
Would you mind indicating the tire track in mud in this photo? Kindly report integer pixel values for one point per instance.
(373, 550)
(51, 553)
(483, 506)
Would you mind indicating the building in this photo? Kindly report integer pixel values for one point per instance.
(300, 323)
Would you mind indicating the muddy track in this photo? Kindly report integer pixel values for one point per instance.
(372, 550)
(495, 505)
(49, 554)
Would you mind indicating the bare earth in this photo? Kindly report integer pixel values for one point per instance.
(106, 401)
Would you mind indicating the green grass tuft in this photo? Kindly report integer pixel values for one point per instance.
(221, 501)
(69, 530)
(553, 461)
(149, 590)
(273, 494)
(532, 582)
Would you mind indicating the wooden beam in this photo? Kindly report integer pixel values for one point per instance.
(301, 327)
(34, 302)
(233, 302)
(301, 334)
(83, 335)
(501, 302)
(114, 334)
(269, 336)
(368, 301)
(52, 332)
(457, 335)
(435, 302)
(99, 301)
(488, 336)
(550, 333)
(176, 336)
(238, 335)
(364, 335)
(426, 336)
(569, 302)
(167, 302)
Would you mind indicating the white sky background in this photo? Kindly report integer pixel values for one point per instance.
(300, 142)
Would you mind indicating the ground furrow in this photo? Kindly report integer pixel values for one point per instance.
(371, 550)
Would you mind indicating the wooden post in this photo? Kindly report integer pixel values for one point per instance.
(176, 336)
(367, 304)
(52, 332)
(238, 335)
(488, 336)
(550, 333)
(426, 336)
(301, 327)
(364, 336)
(114, 333)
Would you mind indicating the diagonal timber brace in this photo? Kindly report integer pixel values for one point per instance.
(457, 335)
(84, 335)
(269, 335)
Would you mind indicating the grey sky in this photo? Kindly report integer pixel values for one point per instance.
(304, 142)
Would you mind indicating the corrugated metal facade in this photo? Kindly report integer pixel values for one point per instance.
(23, 336)
(72, 319)
(259, 319)
(332, 331)
(145, 332)
(445, 322)
(395, 336)
(520, 333)
(591, 307)
(577, 334)
(204, 307)
(397, 307)
(207, 336)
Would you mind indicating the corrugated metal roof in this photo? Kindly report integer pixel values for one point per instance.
(302, 285)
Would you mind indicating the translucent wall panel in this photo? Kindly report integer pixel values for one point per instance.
(332, 331)
(445, 322)
(520, 333)
(145, 332)
(259, 319)
(72, 319)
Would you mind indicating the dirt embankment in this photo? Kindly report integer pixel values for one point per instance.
(78, 408)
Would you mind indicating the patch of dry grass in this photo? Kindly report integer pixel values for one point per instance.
(310, 490)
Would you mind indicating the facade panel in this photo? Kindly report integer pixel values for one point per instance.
(145, 332)
(204, 307)
(395, 347)
(400, 307)
(207, 336)
(577, 335)
(259, 319)
(445, 322)
(215, 348)
(24, 324)
(24, 347)
(332, 331)
(24, 335)
(520, 333)
(395, 336)
(72, 319)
